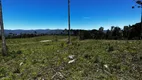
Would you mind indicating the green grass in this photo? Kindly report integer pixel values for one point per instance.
(29, 59)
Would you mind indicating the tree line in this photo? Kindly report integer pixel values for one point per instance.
(131, 32)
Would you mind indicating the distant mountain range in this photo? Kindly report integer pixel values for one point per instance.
(38, 31)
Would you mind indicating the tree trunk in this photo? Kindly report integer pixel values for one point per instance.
(4, 50)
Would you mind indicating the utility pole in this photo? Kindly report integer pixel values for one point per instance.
(4, 49)
(69, 40)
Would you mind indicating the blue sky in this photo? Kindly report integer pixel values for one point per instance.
(52, 14)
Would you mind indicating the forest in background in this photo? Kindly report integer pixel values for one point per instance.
(131, 32)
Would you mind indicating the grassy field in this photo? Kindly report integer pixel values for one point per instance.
(31, 59)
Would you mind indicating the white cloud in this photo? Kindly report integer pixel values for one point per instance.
(85, 17)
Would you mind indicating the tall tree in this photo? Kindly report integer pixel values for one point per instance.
(69, 40)
(126, 32)
(4, 50)
(139, 2)
(101, 29)
(101, 32)
(108, 34)
(112, 29)
(117, 33)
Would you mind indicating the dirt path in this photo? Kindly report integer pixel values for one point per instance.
(46, 41)
(42, 41)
